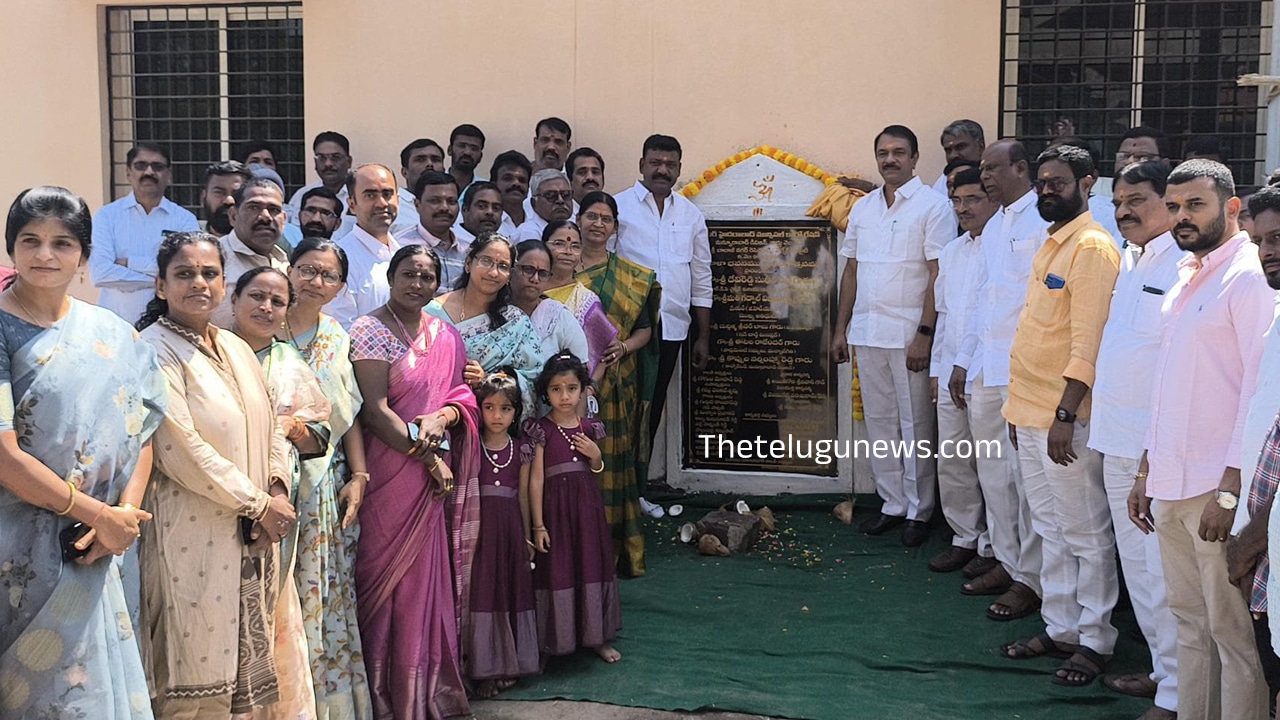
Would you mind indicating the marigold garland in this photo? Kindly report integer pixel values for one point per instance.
(695, 186)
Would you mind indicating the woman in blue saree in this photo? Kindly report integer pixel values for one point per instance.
(496, 333)
(80, 396)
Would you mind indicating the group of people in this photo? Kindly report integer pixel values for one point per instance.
(1112, 356)
(364, 477)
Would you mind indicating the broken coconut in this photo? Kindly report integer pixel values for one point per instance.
(711, 545)
(767, 522)
(844, 512)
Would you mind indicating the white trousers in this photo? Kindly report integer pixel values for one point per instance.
(1069, 511)
(1016, 545)
(898, 406)
(1144, 578)
(1219, 674)
(958, 490)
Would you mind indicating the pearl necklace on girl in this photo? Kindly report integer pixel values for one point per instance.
(566, 436)
(493, 457)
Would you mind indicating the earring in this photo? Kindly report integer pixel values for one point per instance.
(160, 295)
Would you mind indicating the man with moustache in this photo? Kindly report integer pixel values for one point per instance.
(332, 163)
(320, 214)
(962, 140)
(128, 231)
(437, 195)
(959, 492)
(221, 181)
(1009, 242)
(585, 168)
(552, 141)
(1248, 563)
(887, 312)
(257, 220)
(466, 150)
(552, 201)
(372, 198)
(511, 172)
(1216, 317)
(662, 230)
(416, 158)
(257, 152)
(1122, 412)
(1051, 369)
(481, 211)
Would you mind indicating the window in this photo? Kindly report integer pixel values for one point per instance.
(1095, 68)
(200, 79)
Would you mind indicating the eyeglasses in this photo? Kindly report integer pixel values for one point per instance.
(552, 196)
(1054, 184)
(309, 273)
(597, 217)
(487, 263)
(1127, 157)
(966, 202)
(254, 208)
(156, 167)
(532, 273)
(562, 244)
(326, 214)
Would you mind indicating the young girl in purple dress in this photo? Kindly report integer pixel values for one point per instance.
(574, 581)
(501, 643)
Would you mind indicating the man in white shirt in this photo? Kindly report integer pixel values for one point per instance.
(1122, 411)
(416, 158)
(585, 168)
(511, 172)
(127, 234)
(552, 141)
(221, 181)
(662, 230)
(481, 211)
(332, 163)
(1009, 242)
(466, 150)
(887, 313)
(962, 140)
(437, 195)
(320, 214)
(257, 221)
(552, 201)
(369, 246)
(959, 492)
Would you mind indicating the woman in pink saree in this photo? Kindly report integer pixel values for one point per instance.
(421, 514)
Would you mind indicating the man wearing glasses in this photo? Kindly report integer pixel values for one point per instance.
(127, 233)
(257, 223)
(321, 213)
(1052, 365)
(552, 200)
(373, 197)
(436, 195)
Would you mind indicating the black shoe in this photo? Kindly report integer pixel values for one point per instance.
(979, 566)
(915, 533)
(879, 525)
(951, 559)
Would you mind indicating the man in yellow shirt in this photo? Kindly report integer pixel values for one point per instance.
(1051, 368)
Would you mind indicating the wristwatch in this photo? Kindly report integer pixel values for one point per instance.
(1227, 500)
(925, 330)
(1062, 415)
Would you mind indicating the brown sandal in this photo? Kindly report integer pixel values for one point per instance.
(993, 582)
(1084, 662)
(1020, 601)
(1037, 646)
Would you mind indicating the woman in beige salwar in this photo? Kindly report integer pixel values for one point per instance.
(219, 494)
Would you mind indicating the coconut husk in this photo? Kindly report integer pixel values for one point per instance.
(767, 521)
(711, 545)
(844, 512)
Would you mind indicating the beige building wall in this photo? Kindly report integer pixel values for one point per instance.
(816, 77)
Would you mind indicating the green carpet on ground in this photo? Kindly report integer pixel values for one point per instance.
(820, 623)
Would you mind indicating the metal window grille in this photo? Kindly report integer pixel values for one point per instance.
(1095, 68)
(200, 80)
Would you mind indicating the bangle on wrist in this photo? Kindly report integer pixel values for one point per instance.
(1140, 476)
(360, 475)
(599, 469)
(127, 506)
(101, 509)
(71, 499)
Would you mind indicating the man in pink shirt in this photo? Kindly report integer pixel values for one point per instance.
(1188, 483)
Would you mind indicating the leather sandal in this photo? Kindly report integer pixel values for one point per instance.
(1020, 601)
(994, 582)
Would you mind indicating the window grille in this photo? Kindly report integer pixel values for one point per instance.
(1095, 68)
(200, 80)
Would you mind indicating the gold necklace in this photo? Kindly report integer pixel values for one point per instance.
(293, 339)
(13, 291)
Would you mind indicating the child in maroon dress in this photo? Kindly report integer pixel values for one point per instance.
(502, 641)
(574, 582)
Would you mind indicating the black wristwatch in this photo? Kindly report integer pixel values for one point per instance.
(1063, 416)
(925, 330)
